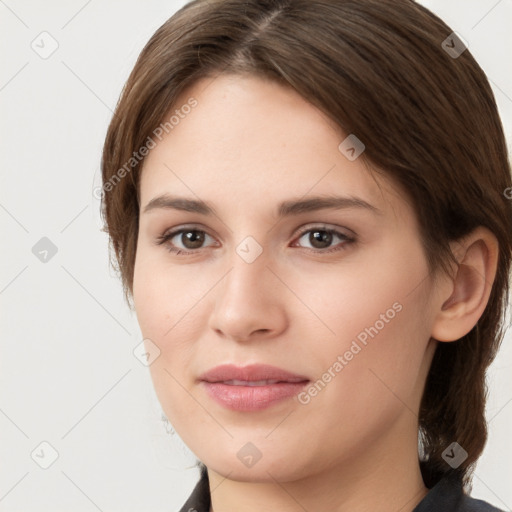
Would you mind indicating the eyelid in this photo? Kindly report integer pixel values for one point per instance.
(327, 227)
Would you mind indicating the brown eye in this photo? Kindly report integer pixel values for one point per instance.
(322, 238)
(190, 240)
(319, 238)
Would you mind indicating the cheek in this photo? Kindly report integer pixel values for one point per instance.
(164, 299)
(165, 294)
(374, 316)
(170, 303)
(364, 294)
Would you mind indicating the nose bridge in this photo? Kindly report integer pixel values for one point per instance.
(246, 299)
(248, 277)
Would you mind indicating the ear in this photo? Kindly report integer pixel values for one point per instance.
(463, 297)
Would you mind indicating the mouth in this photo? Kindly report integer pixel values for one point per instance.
(235, 382)
(251, 388)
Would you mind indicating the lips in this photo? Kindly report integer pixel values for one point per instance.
(235, 382)
(251, 388)
(229, 373)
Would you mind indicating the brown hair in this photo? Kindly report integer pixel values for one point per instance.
(427, 118)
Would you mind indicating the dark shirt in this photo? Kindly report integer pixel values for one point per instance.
(446, 496)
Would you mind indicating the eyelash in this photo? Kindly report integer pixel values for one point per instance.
(162, 239)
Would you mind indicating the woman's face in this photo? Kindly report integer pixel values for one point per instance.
(347, 312)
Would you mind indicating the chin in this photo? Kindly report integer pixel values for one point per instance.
(262, 471)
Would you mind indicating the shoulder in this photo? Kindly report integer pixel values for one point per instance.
(469, 504)
(448, 496)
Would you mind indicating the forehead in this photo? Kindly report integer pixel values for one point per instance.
(250, 139)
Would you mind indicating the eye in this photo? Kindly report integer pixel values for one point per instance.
(192, 241)
(321, 238)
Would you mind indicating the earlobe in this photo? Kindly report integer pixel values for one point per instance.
(469, 289)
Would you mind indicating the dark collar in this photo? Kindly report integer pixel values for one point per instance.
(446, 496)
(199, 500)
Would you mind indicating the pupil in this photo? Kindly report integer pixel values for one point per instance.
(321, 236)
(195, 238)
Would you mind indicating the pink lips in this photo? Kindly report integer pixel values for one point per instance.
(251, 388)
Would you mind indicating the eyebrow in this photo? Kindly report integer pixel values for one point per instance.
(285, 209)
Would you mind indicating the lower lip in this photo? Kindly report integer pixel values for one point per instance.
(252, 398)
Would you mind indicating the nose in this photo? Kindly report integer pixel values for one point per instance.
(249, 301)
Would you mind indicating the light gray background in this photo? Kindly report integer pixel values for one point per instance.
(68, 375)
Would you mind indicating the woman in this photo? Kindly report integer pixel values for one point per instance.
(322, 337)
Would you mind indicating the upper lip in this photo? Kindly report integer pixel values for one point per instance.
(253, 372)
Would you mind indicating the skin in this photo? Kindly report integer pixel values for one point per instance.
(248, 145)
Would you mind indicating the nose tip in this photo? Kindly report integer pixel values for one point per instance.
(246, 304)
